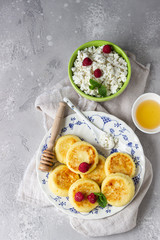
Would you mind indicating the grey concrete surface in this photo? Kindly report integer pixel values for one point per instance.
(37, 39)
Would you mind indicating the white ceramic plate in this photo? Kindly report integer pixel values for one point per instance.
(128, 142)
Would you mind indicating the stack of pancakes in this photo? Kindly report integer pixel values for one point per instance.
(112, 177)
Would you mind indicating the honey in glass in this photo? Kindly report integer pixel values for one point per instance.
(148, 114)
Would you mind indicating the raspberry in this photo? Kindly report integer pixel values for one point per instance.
(92, 198)
(83, 167)
(97, 73)
(107, 49)
(87, 61)
(79, 196)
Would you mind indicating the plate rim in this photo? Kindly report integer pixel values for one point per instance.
(83, 216)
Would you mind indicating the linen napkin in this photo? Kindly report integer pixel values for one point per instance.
(29, 190)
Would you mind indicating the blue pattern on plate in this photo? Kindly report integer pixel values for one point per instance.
(105, 119)
(91, 119)
(47, 175)
(78, 123)
(71, 125)
(118, 130)
(112, 130)
(44, 147)
(44, 181)
(114, 150)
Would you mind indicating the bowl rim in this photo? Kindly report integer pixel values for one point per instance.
(98, 99)
(150, 96)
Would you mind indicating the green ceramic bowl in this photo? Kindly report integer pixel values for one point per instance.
(98, 43)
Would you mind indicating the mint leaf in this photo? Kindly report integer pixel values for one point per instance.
(101, 88)
(92, 87)
(102, 201)
(94, 83)
(102, 91)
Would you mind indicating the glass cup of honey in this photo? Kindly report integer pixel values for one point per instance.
(146, 113)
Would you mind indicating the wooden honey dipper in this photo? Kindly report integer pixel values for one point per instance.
(48, 156)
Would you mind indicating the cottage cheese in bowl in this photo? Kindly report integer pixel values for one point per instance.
(108, 69)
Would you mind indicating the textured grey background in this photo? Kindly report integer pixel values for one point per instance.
(37, 39)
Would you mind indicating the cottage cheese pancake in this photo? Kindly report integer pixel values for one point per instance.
(98, 174)
(118, 188)
(120, 163)
(86, 187)
(60, 180)
(82, 152)
(62, 145)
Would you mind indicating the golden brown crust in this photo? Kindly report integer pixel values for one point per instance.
(60, 180)
(63, 144)
(98, 174)
(81, 152)
(85, 186)
(120, 162)
(118, 188)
